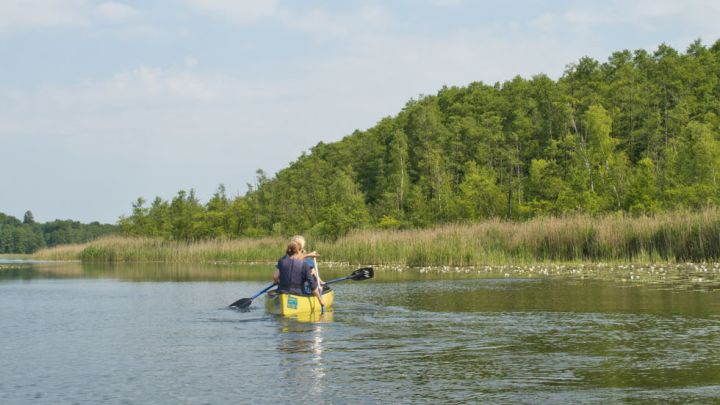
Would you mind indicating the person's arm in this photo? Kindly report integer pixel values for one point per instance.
(276, 276)
(309, 276)
(317, 273)
(317, 277)
(314, 273)
(316, 293)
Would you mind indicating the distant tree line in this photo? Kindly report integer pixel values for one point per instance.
(638, 134)
(27, 236)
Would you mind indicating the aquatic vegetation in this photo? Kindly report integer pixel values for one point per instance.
(61, 252)
(678, 236)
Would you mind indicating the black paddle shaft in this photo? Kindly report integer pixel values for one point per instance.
(357, 275)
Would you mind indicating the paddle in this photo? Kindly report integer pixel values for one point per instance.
(357, 275)
(243, 303)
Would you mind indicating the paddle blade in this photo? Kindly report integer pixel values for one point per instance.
(362, 274)
(242, 303)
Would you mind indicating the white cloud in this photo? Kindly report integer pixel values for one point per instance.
(30, 14)
(374, 14)
(700, 15)
(446, 3)
(366, 19)
(25, 15)
(126, 102)
(647, 14)
(581, 19)
(143, 112)
(237, 10)
(383, 72)
(116, 11)
(151, 131)
(190, 61)
(147, 83)
(317, 21)
(190, 128)
(198, 114)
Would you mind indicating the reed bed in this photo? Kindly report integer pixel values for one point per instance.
(125, 249)
(677, 236)
(61, 253)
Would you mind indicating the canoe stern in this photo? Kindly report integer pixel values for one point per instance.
(291, 304)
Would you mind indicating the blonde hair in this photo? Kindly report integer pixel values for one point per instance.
(295, 246)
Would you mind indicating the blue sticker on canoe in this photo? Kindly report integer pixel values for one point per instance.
(292, 303)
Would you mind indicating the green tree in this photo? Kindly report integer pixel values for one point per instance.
(28, 218)
(638, 133)
(217, 214)
(394, 182)
(479, 196)
(545, 185)
(694, 158)
(643, 191)
(345, 209)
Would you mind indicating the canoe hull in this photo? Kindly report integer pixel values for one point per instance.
(291, 304)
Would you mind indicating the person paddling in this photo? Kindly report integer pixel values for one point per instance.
(294, 272)
(310, 259)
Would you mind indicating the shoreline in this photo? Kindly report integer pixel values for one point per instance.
(694, 276)
(672, 237)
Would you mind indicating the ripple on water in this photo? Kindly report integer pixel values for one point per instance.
(420, 341)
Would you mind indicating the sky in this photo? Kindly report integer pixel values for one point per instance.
(102, 102)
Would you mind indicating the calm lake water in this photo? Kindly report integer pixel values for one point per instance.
(132, 334)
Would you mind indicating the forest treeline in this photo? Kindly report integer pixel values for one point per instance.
(637, 134)
(27, 236)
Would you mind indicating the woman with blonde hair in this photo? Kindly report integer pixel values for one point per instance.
(296, 274)
(310, 258)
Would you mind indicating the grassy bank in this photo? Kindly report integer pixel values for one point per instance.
(671, 237)
(15, 256)
(124, 249)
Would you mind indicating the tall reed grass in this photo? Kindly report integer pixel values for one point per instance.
(677, 236)
(62, 252)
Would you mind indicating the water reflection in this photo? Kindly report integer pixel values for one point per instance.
(536, 356)
(138, 271)
(145, 271)
(553, 295)
(417, 337)
(687, 276)
(301, 345)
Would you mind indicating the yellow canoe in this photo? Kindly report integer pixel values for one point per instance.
(291, 304)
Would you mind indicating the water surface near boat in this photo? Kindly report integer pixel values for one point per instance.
(149, 333)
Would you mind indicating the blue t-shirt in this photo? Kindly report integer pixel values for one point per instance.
(296, 276)
(308, 260)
